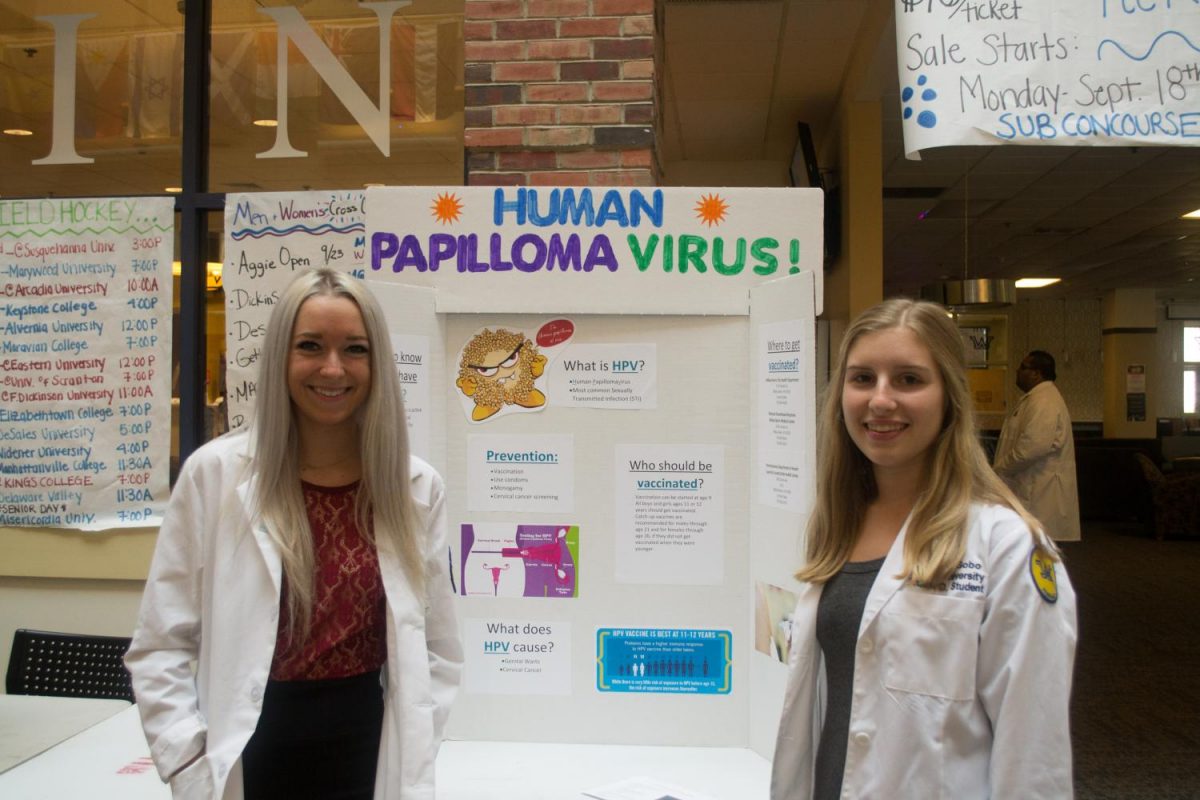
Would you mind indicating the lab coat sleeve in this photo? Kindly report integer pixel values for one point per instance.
(167, 639)
(1043, 431)
(1026, 656)
(441, 625)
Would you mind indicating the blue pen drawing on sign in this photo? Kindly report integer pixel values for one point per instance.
(926, 118)
(1149, 50)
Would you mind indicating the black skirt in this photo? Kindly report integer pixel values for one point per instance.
(316, 739)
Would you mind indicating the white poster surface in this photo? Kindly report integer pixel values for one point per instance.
(1054, 72)
(530, 474)
(670, 514)
(614, 250)
(85, 361)
(269, 238)
(411, 354)
(616, 376)
(505, 656)
(783, 349)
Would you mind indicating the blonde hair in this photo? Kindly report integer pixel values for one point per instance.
(958, 470)
(384, 504)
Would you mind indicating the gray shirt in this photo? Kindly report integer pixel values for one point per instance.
(839, 614)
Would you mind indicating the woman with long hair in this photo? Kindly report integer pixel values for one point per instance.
(297, 634)
(934, 633)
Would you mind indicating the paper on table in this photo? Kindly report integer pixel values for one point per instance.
(644, 789)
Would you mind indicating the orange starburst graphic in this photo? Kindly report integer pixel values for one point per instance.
(711, 209)
(447, 208)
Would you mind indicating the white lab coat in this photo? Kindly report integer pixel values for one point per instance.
(961, 693)
(1036, 457)
(212, 599)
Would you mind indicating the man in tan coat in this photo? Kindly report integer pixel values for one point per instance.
(1036, 451)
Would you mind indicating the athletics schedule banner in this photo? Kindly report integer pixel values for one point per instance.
(270, 237)
(85, 361)
(1048, 72)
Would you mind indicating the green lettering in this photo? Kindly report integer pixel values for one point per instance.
(719, 265)
(642, 257)
(760, 250)
(692, 250)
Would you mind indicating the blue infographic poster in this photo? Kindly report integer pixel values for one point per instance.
(664, 660)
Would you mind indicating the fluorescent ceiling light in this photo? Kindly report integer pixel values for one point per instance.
(1190, 215)
(266, 123)
(18, 132)
(1036, 283)
(173, 189)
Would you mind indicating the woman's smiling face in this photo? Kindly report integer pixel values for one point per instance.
(893, 399)
(329, 363)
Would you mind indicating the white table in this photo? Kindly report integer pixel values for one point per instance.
(110, 760)
(523, 771)
(30, 725)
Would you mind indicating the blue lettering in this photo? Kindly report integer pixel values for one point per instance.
(612, 207)
(500, 205)
(638, 206)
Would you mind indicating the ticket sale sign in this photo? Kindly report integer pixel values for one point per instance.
(614, 250)
(1048, 72)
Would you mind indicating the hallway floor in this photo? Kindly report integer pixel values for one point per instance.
(1135, 709)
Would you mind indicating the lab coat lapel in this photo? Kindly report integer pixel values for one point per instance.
(886, 583)
(265, 545)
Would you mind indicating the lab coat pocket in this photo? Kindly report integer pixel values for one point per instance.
(930, 643)
(195, 782)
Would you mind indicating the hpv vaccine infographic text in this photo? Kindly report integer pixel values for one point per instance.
(664, 660)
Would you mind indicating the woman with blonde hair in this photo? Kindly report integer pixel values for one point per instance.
(297, 635)
(934, 634)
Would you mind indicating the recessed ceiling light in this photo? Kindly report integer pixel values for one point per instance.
(1190, 215)
(267, 123)
(173, 189)
(18, 132)
(1035, 283)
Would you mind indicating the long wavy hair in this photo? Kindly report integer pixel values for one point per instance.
(384, 505)
(958, 472)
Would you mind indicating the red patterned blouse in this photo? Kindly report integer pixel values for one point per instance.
(347, 636)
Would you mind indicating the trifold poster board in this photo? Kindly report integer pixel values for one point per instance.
(616, 385)
(85, 361)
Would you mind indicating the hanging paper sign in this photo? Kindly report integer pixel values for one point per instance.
(1055, 72)
(85, 361)
(269, 239)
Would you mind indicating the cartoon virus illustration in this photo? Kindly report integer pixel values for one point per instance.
(447, 208)
(499, 368)
(926, 119)
(711, 209)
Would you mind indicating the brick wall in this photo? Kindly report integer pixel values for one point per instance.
(560, 92)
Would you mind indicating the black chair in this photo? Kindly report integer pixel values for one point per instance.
(68, 665)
